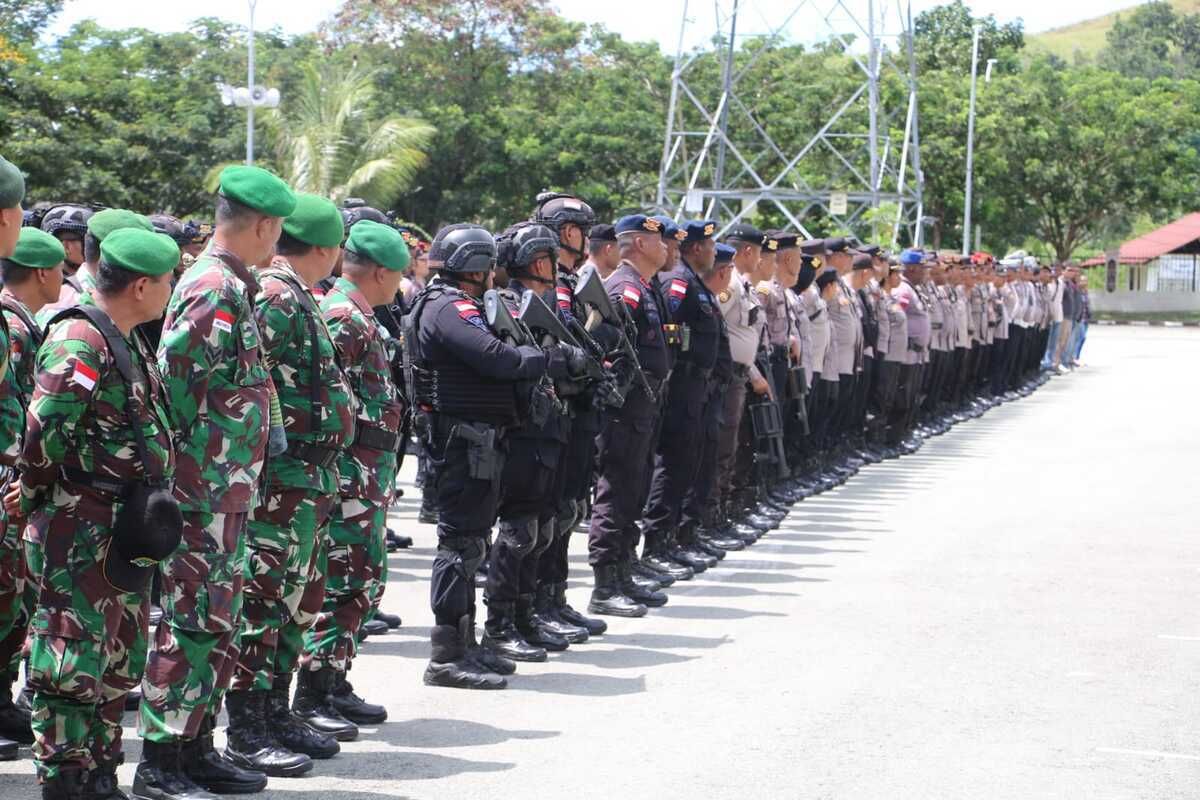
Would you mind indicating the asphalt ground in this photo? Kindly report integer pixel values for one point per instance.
(1009, 613)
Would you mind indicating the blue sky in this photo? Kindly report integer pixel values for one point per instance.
(633, 19)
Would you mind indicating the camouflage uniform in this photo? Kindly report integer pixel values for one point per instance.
(219, 395)
(357, 554)
(285, 570)
(16, 593)
(88, 639)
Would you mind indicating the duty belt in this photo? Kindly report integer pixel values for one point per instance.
(103, 483)
(314, 454)
(741, 370)
(375, 437)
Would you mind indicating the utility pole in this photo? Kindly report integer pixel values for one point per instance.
(966, 237)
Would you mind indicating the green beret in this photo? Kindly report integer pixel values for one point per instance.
(258, 189)
(380, 243)
(37, 249)
(315, 221)
(102, 223)
(12, 184)
(140, 251)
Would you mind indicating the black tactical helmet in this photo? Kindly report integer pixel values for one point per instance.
(171, 226)
(355, 210)
(516, 247)
(66, 218)
(463, 248)
(555, 209)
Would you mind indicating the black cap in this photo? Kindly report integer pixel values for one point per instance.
(602, 233)
(785, 240)
(838, 244)
(813, 247)
(871, 249)
(148, 530)
(825, 278)
(862, 261)
(745, 232)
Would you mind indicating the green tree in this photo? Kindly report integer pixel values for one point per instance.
(942, 39)
(326, 140)
(1154, 41)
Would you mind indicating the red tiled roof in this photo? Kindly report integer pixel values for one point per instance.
(1159, 242)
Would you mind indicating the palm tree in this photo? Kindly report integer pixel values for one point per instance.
(326, 143)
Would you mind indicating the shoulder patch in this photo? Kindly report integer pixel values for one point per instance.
(84, 376)
(563, 295)
(723, 297)
(678, 287)
(632, 296)
(223, 321)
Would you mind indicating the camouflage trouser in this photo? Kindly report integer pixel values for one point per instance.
(285, 583)
(14, 619)
(357, 563)
(195, 645)
(88, 646)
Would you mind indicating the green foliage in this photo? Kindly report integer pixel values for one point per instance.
(943, 36)
(1155, 41)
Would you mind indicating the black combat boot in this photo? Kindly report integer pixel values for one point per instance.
(547, 609)
(480, 657)
(291, 732)
(428, 514)
(312, 706)
(607, 597)
(101, 783)
(393, 621)
(160, 775)
(68, 784)
(536, 630)
(640, 593)
(251, 744)
(594, 627)
(661, 578)
(213, 772)
(375, 627)
(353, 707)
(449, 665)
(500, 634)
(14, 722)
(396, 541)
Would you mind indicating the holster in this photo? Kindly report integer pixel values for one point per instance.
(483, 459)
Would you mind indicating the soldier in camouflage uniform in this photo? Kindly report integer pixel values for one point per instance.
(88, 642)
(32, 273)
(220, 396)
(375, 258)
(285, 536)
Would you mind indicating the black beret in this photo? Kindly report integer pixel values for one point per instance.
(825, 278)
(745, 232)
(603, 233)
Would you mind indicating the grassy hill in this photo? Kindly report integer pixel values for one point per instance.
(1087, 37)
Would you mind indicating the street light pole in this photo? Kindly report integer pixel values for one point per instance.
(966, 237)
(250, 84)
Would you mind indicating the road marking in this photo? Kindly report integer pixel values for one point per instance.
(1147, 753)
(1179, 638)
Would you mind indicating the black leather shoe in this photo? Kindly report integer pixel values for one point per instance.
(312, 706)
(101, 784)
(397, 542)
(689, 559)
(661, 578)
(726, 543)
(353, 707)
(594, 627)
(291, 732)
(500, 634)
(607, 597)
(449, 665)
(547, 608)
(639, 593)
(660, 563)
(375, 627)
(252, 745)
(14, 721)
(708, 548)
(393, 621)
(160, 776)
(759, 523)
(536, 630)
(213, 772)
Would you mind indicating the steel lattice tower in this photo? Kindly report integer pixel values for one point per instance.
(723, 171)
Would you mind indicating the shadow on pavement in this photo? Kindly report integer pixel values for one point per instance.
(711, 612)
(771, 545)
(765, 577)
(721, 590)
(402, 766)
(450, 733)
(577, 684)
(666, 641)
(622, 657)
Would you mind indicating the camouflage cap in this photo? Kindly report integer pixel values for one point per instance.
(37, 249)
(140, 251)
(12, 184)
(102, 223)
(256, 188)
(380, 243)
(316, 221)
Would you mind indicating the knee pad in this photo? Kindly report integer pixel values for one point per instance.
(452, 584)
(519, 536)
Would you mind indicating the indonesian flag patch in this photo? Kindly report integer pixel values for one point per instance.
(632, 297)
(564, 297)
(84, 375)
(678, 288)
(466, 309)
(223, 321)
